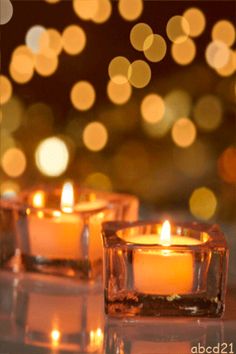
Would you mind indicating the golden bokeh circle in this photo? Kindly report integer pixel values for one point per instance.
(184, 53)
(32, 38)
(230, 67)
(12, 115)
(83, 95)
(118, 69)
(138, 34)
(103, 12)
(217, 54)
(152, 108)
(208, 112)
(85, 9)
(73, 39)
(177, 29)
(183, 132)
(154, 47)
(119, 93)
(203, 203)
(50, 42)
(130, 10)
(224, 31)
(46, 65)
(13, 162)
(227, 165)
(139, 74)
(95, 136)
(196, 20)
(5, 89)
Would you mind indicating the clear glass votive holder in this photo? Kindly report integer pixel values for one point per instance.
(183, 278)
(42, 236)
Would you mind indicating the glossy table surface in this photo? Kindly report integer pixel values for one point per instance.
(45, 314)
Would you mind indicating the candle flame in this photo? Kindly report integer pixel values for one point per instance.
(166, 234)
(38, 199)
(55, 336)
(67, 198)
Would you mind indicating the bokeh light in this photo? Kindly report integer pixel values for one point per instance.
(139, 73)
(130, 10)
(86, 10)
(6, 11)
(119, 93)
(208, 112)
(152, 108)
(159, 129)
(5, 89)
(230, 67)
(99, 181)
(46, 65)
(178, 104)
(177, 29)
(203, 203)
(83, 95)
(22, 64)
(13, 162)
(7, 140)
(154, 47)
(52, 1)
(12, 114)
(184, 53)
(73, 39)
(32, 38)
(217, 54)
(50, 42)
(227, 165)
(52, 157)
(224, 31)
(103, 12)
(118, 69)
(95, 136)
(196, 20)
(138, 34)
(183, 132)
(9, 189)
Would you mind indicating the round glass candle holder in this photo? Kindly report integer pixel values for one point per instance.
(46, 239)
(184, 278)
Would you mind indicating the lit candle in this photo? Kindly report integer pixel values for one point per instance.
(164, 271)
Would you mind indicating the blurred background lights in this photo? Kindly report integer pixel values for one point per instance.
(217, 54)
(138, 34)
(139, 74)
(7, 141)
(22, 64)
(196, 20)
(118, 69)
(39, 117)
(85, 9)
(224, 31)
(159, 129)
(119, 93)
(184, 53)
(103, 12)
(178, 104)
(52, 157)
(154, 47)
(32, 38)
(177, 29)
(9, 189)
(229, 68)
(83, 95)
(227, 165)
(152, 108)
(5, 89)
(208, 112)
(98, 180)
(183, 132)
(12, 114)
(95, 136)
(13, 162)
(6, 11)
(50, 42)
(46, 65)
(130, 10)
(52, 1)
(203, 203)
(73, 39)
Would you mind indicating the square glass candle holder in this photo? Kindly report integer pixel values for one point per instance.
(41, 235)
(184, 278)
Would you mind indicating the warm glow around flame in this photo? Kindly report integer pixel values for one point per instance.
(166, 234)
(67, 198)
(38, 199)
(55, 337)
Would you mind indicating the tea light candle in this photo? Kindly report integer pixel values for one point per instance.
(163, 272)
(58, 235)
